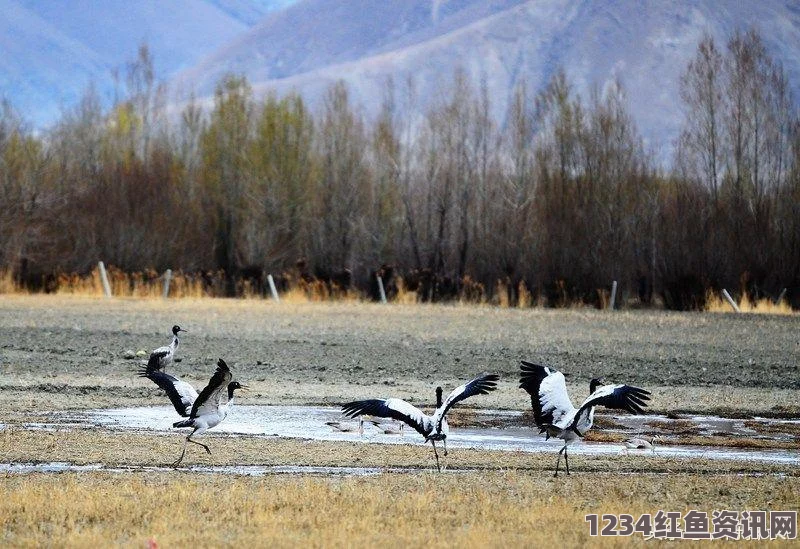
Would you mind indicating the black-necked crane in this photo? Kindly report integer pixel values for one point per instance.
(342, 427)
(434, 427)
(202, 411)
(389, 427)
(557, 417)
(640, 443)
(163, 356)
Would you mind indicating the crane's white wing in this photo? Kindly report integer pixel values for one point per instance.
(181, 394)
(481, 385)
(394, 408)
(160, 358)
(549, 398)
(209, 399)
(618, 397)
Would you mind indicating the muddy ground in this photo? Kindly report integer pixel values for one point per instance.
(60, 352)
(68, 353)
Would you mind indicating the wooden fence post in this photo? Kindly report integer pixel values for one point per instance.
(104, 279)
(613, 294)
(272, 288)
(167, 278)
(730, 300)
(381, 290)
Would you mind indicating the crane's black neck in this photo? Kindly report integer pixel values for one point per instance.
(231, 388)
(438, 397)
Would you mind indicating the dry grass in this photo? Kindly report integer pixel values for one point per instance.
(146, 285)
(792, 429)
(150, 284)
(7, 284)
(467, 510)
(736, 442)
(405, 296)
(715, 303)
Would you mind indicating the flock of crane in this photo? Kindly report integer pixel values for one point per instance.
(553, 410)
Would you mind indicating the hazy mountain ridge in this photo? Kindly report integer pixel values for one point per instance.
(314, 43)
(52, 50)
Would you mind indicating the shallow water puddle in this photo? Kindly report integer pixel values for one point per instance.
(308, 422)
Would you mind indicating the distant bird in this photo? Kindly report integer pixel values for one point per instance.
(164, 356)
(389, 427)
(205, 410)
(433, 428)
(557, 417)
(347, 427)
(639, 443)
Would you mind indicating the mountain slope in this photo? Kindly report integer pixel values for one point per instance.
(36, 57)
(52, 50)
(308, 46)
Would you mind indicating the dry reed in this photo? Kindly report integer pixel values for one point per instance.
(715, 303)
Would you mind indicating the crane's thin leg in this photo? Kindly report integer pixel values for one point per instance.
(183, 453)
(188, 439)
(566, 458)
(435, 453)
(444, 442)
(558, 461)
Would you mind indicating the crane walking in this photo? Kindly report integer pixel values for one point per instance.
(203, 411)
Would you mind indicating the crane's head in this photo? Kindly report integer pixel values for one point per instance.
(438, 397)
(176, 329)
(233, 385)
(594, 384)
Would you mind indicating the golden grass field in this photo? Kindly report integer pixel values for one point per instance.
(495, 509)
(65, 353)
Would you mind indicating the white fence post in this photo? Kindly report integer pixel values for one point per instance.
(613, 294)
(104, 278)
(730, 300)
(167, 278)
(272, 288)
(381, 290)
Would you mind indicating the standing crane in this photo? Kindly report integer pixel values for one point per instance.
(164, 356)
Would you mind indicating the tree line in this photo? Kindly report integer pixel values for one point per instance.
(549, 204)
